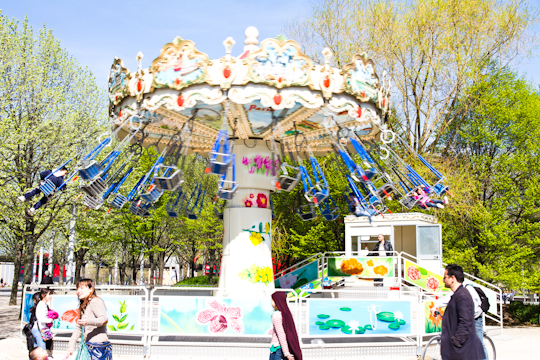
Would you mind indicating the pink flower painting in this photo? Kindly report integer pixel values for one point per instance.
(220, 317)
(262, 201)
(261, 165)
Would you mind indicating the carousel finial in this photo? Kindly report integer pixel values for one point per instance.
(229, 43)
(139, 59)
(327, 53)
(251, 41)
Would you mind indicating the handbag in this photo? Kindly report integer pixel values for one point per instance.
(83, 353)
(46, 334)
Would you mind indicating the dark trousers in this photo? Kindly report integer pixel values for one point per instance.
(33, 193)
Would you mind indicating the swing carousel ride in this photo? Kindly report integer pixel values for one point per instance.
(260, 120)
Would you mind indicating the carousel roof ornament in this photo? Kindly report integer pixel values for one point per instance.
(273, 75)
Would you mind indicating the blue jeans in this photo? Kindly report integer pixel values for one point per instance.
(278, 355)
(479, 326)
(38, 340)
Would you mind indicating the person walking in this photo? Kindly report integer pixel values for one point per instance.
(92, 323)
(478, 312)
(47, 279)
(42, 318)
(457, 337)
(285, 342)
(31, 330)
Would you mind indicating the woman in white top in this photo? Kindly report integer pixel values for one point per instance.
(42, 319)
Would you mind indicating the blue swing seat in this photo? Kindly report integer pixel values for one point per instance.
(227, 188)
(306, 212)
(287, 182)
(119, 201)
(220, 167)
(328, 213)
(47, 187)
(227, 194)
(142, 210)
(152, 195)
(388, 190)
(319, 195)
(90, 172)
(168, 182)
(408, 200)
(93, 202)
(374, 201)
(439, 188)
(94, 188)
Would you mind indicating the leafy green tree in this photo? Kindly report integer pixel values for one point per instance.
(493, 223)
(432, 50)
(49, 108)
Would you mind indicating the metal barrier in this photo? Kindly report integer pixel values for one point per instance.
(164, 328)
(166, 337)
(125, 341)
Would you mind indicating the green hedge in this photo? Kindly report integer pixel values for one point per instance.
(199, 280)
(523, 313)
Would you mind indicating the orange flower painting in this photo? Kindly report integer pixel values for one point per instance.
(351, 267)
(433, 322)
(70, 316)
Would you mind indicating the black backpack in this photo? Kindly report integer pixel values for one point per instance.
(483, 298)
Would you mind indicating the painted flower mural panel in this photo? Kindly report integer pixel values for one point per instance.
(219, 317)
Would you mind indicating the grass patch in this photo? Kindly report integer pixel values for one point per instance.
(198, 280)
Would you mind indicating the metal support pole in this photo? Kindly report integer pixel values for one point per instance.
(51, 251)
(71, 245)
(40, 272)
(34, 269)
(142, 269)
(116, 270)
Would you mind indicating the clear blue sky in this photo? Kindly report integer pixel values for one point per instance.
(95, 31)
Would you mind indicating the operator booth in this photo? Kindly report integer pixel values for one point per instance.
(419, 235)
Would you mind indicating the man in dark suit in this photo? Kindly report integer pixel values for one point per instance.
(57, 179)
(458, 337)
(47, 280)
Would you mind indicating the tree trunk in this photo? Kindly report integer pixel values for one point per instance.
(122, 273)
(61, 266)
(161, 266)
(30, 244)
(16, 273)
(134, 275)
(79, 258)
(96, 280)
(152, 267)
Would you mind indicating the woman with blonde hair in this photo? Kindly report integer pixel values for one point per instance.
(92, 323)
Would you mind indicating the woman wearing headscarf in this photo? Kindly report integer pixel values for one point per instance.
(92, 322)
(285, 342)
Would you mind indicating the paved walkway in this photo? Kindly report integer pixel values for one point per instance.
(514, 343)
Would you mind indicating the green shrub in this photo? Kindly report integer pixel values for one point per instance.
(524, 313)
(198, 280)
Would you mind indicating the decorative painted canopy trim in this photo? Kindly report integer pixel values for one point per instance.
(279, 64)
(118, 81)
(179, 65)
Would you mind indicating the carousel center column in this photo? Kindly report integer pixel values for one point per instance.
(246, 265)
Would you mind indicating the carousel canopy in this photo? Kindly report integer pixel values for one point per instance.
(271, 91)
